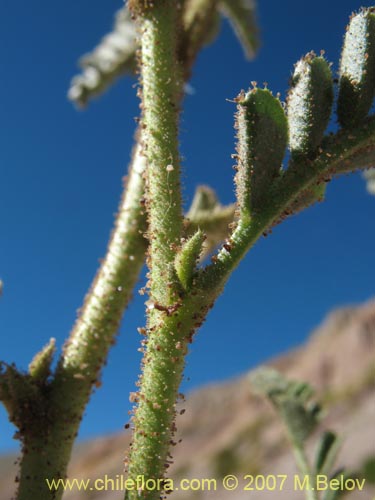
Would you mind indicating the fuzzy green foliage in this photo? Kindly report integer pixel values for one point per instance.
(19, 393)
(48, 409)
(326, 453)
(207, 213)
(187, 258)
(201, 25)
(331, 494)
(113, 57)
(291, 399)
(40, 366)
(310, 102)
(201, 22)
(357, 69)
(205, 200)
(262, 133)
(242, 16)
(264, 194)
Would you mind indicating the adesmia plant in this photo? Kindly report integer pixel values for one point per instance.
(47, 405)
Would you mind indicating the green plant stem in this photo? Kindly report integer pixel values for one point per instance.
(170, 332)
(215, 224)
(154, 417)
(51, 423)
(305, 470)
(98, 322)
(162, 88)
(167, 329)
(342, 153)
(174, 316)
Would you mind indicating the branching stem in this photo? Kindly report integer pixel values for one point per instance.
(50, 422)
(340, 154)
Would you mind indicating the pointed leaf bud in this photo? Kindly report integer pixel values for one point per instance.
(357, 69)
(186, 259)
(39, 368)
(205, 199)
(310, 102)
(328, 448)
(262, 140)
(112, 58)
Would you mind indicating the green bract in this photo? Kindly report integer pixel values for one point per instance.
(357, 69)
(309, 104)
(262, 133)
(186, 259)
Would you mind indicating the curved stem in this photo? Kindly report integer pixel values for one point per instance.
(47, 445)
(49, 421)
(98, 322)
(174, 314)
(342, 153)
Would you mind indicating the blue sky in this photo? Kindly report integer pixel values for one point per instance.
(60, 184)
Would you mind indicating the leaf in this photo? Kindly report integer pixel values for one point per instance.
(201, 23)
(326, 454)
(187, 257)
(39, 368)
(292, 401)
(267, 381)
(242, 16)
(204, 200)
(331, 494)
(262, 133)
(209, 215)
(310, 102)
(299, 420)
(113, 57)
(357, 69)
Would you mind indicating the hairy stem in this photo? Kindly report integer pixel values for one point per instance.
(171, 330)
(162, 88)
(175, 312)
(342, 153)
(51, 428)
(167, 330)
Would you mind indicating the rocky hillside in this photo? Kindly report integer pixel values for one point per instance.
(227, 430)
